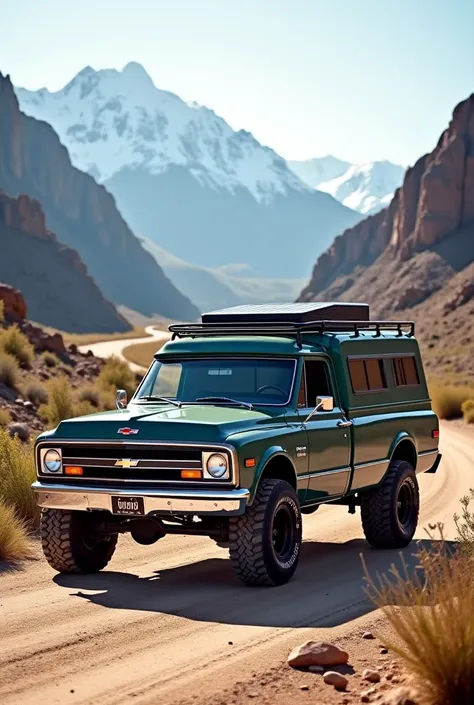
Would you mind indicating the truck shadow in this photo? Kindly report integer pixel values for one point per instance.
(326, 591)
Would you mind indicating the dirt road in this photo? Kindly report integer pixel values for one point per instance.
(116, 347)
(170, 622)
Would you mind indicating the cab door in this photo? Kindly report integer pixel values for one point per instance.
(328, 434)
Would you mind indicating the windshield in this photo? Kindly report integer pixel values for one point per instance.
(253, 381)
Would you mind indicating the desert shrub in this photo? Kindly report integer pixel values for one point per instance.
(9, 370)
(17, 472)
(14, 342)
(431, 613)
(91, 395)
(465, 524)
(36, 393)
(116, 374)
(84, 408)
(13, 536)
(60, 403)
(467, 408)
(107, 399)
(5, 417)
(2, 311)
(50, 359)
(447, 400)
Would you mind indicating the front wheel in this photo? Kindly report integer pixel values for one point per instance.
(265, 542)
(390, 512)
(72, 542)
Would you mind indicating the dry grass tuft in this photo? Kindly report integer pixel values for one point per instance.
(116, 374)
(60, 404)
(5, 417)
(14, 342)
(431, 611)
(50, 359)
(465, 524)
(91, 395)
(9, 370)
(36, 393)
(17, 472)
(2, 311)
(467, 408)
(13, 535)
(447, 400)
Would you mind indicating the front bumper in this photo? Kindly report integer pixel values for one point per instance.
(156, 501)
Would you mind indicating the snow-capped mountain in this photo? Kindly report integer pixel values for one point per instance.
(366, 188)
(184, 178)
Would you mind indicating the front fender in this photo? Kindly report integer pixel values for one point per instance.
(270, 454)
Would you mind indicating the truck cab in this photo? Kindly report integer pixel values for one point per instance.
(243, 423)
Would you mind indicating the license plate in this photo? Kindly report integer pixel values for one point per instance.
(128, 505)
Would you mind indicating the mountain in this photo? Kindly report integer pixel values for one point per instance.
(222, 286)
(366, 188)
(415, 258)
(184, 178)
(57, 288)
(83, 214)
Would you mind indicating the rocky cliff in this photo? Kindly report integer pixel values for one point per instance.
(416, 258)
(82, 214)
(436, 198)
(56, 286)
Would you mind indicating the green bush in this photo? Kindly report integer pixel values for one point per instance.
(5, 417)
(60, 404)
(9, 370)
(17, 472)
(447, 400)
(36, 393)
(14, 342)
(50, 359)
(468, 410)
(13, 536)
(116, 374)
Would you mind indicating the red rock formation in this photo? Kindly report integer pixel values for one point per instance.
(14, 304)
(436, 198)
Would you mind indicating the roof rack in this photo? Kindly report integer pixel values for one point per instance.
(288, 329)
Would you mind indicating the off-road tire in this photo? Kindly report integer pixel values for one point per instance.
(67, 543)
(252, 539)
(390, 512)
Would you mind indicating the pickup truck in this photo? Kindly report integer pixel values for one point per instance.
(243, 423)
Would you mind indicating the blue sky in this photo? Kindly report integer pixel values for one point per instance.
(360, 79)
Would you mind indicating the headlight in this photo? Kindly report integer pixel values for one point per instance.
(217, 466)
(52, 461)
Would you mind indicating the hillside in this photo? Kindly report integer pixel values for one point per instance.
(416, 257)
(82, 214)
(184, 178)
(55, 283)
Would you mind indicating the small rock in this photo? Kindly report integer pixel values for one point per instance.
(371, 675)
(368, 635)
(316, 669)
(389, 676)
(28, 404)
(383, 650)
(317, 653)
(20, 431)
(231, 643)
(336, 679)
(19, 400)
(364, 697)
(304, 687)
(399, 696)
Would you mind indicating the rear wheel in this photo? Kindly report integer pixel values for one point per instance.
(72, 543)
(390, 512)
(265, 542)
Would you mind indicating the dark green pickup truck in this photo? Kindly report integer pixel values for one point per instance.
(243, 423)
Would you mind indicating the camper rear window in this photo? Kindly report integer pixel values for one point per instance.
(405, 371)
(367, 374)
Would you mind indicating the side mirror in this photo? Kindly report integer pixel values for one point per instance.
(325, 403)
(121, 400)
(322, 404)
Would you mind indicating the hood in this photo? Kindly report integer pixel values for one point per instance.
(157, 422)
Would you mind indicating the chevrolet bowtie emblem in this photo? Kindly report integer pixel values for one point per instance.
(126, 463)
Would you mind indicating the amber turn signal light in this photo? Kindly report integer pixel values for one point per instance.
(73, 470)
(250, 462)
(191, 474)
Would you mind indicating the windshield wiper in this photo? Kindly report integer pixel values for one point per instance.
(154, 398)
(225, 400)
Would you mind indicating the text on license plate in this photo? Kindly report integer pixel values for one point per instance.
(128, 505)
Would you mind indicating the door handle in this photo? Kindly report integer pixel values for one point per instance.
(344, 424)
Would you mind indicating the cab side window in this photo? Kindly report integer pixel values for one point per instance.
(317, 381)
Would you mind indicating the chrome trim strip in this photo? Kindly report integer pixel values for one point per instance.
(85, 498)
(359, 466)
(235, 470)
(323, 473)
(425, 453)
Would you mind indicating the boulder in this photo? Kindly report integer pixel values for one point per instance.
(317, 653)
(45, 342)
(14, 304)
